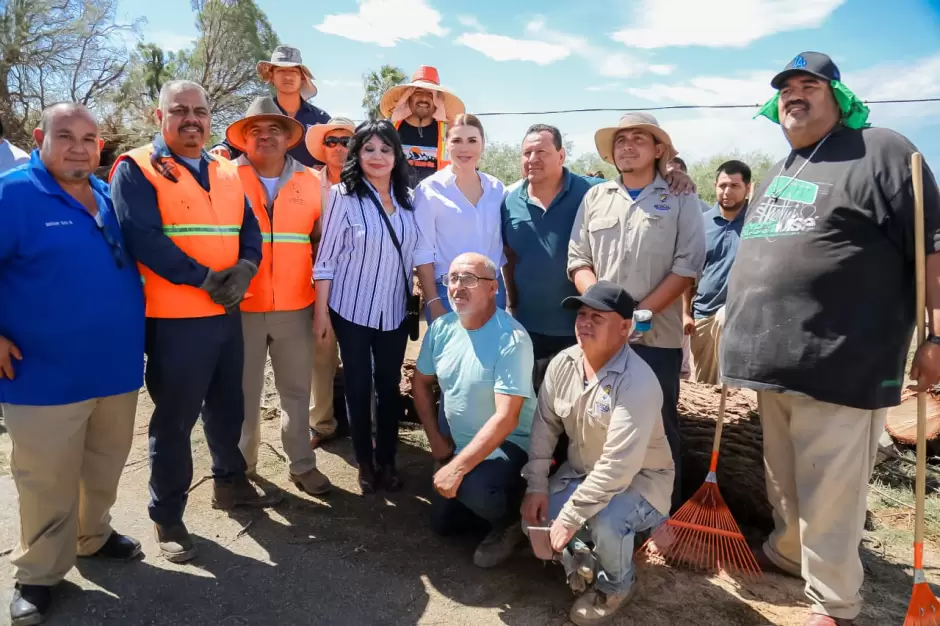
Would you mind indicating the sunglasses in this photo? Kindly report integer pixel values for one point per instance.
(332, 142)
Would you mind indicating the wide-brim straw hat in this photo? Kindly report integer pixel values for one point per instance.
(264, 108)
(286, 56)
(428, 78)
(317, 132)
(604, 138)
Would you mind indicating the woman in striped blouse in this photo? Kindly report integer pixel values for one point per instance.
(361, 293)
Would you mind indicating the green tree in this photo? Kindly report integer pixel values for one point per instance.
(502, 160)
(376, 83)
(132, 121)
(703, 171)
(590, 163)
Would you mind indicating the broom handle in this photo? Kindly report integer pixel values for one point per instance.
(917, 177)
(721, 421)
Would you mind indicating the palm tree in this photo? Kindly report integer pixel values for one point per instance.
(377, 83)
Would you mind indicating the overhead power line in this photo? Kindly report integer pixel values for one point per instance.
(678, 107)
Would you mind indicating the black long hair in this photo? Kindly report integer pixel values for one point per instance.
(352, 175)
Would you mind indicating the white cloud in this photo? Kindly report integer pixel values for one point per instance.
(386, 22)
(606, 87)
(665, 23)
(502, 48)
(751, 88)
(470, 22)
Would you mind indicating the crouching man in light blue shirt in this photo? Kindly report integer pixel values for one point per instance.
(482, 359)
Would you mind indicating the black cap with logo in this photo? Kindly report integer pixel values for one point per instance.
(814, 63)
(604, 296)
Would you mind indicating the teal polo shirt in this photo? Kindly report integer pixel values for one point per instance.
(539, 237)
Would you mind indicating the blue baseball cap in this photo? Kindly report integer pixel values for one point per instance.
(814, 63)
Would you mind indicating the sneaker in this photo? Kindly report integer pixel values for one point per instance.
(596, 607)
(118, 547)
(175, 543)
(498, 546)
(313, 483)
(29, 604)
(238, 492)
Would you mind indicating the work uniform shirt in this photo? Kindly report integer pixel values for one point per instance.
(421, 147)
(615, 434)
(721, 246)
(70, 295)
(308, 115)
(821, 296)
(538, 237)
(638, 243)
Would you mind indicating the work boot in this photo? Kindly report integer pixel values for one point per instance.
(817, 619)
(768, 566)
(175, 543)
(118, 547)
(498, 546)
(29, 604)
(313, 483)
(387, 478)
(238, 492)
(596, 607)
(368, 480)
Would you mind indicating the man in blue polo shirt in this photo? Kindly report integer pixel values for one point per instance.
(71, 355)
(703, 304)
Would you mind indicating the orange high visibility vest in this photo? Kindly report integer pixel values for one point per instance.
(442, 157)
(204, 225)
(284, 279)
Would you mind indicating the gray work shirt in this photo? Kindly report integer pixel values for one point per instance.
(637, 244)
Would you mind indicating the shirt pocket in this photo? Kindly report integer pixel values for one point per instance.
(604, 242)
(650, 229)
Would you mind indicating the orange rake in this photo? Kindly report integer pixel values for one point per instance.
(923, 610)
(702, 534)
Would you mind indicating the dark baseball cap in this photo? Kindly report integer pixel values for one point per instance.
(815, 63)
(604, 296)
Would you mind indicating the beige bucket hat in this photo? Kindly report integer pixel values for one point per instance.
(317, 132)
(426, 77)
(286, 56)
(604, 138)
(264, 108)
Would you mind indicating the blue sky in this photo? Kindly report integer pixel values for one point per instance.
(612, 54)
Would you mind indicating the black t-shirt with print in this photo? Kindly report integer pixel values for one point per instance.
(821, 294)
(420, 149)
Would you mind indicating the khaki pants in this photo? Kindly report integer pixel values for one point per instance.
(819, 458)
(705, 347)
(325, 362)
(288, 335)
(67, 461)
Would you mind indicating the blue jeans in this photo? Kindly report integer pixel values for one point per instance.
(612, 532)
(492, 493)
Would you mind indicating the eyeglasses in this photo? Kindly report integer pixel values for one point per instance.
(113, 246)
(332, 142)
(464, 280)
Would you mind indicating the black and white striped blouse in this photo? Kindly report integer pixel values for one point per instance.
(358, 255)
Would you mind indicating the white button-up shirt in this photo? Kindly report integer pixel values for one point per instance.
(452, 225)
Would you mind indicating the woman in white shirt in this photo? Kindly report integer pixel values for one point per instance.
(458, 210)
(361, 292)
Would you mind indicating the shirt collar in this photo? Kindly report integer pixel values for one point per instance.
(48, 185)
(715, 213)
(162, 151)
(616, 186)
(291, 165)
(565, 186)
(617, 364)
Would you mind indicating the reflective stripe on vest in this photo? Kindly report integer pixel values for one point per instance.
(443, 159)
(284, 281)
(204, 225)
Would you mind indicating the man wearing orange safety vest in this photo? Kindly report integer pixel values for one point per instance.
(421, 111)
(285, 196)
(187, 223)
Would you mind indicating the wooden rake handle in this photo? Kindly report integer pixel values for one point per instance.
(713, 466)
(917, 178)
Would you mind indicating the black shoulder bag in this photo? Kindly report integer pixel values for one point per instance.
(412, 302)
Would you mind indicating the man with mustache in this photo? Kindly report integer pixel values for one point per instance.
(188, 224)
(482, 359)
(278, 318)
(293, 86)
(421, 111)
(819, 321)
(71, 356)
(633, 231)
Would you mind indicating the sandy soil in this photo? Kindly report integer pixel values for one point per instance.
(349, 559)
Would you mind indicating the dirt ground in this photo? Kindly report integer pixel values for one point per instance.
(348, 559)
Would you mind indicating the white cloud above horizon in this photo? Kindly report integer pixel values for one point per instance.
(168, 41)
(503, 48)
(385, 22)
(669, 23)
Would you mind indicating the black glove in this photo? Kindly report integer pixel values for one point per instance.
(235, 284)
(213, 282)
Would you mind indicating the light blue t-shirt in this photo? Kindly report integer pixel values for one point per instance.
(472, 366)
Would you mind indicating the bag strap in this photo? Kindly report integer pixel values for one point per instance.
(391, 232)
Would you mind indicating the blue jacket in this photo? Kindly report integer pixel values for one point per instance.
(70, 296)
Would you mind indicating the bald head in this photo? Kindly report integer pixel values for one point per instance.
(481, 265)
(184, 117)
(69, 142)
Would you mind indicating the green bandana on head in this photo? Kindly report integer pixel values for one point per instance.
(854, 111)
